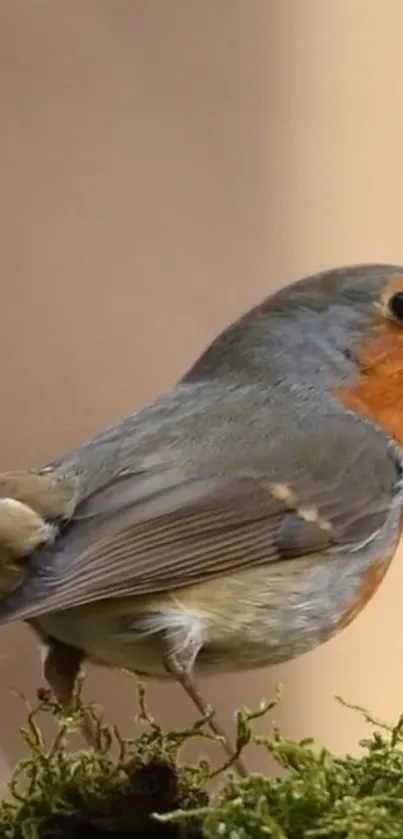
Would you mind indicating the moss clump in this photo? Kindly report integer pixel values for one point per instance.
(110, 791)
(116, 790)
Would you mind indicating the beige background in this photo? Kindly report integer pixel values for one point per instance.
(163, 165)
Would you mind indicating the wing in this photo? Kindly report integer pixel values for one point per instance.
(147, 533)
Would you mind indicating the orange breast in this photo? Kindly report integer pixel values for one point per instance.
(377, 393)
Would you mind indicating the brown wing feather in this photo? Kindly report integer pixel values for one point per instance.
(124, 542)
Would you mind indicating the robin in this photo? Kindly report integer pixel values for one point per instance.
(241, 518)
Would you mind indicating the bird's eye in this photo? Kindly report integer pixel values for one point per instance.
(395, 306)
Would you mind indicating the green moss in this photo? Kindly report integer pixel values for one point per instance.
(112, 790)
(116, 790)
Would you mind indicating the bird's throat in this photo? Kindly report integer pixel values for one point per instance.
(377, 392)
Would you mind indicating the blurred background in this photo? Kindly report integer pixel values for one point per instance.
(163, 166)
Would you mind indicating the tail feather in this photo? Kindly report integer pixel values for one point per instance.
(18, 602)
(32, 505)
(49, 493)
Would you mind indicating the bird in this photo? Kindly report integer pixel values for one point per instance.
(238, 520)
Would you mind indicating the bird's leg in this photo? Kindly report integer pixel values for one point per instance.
(61, 667)
(189, 684)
